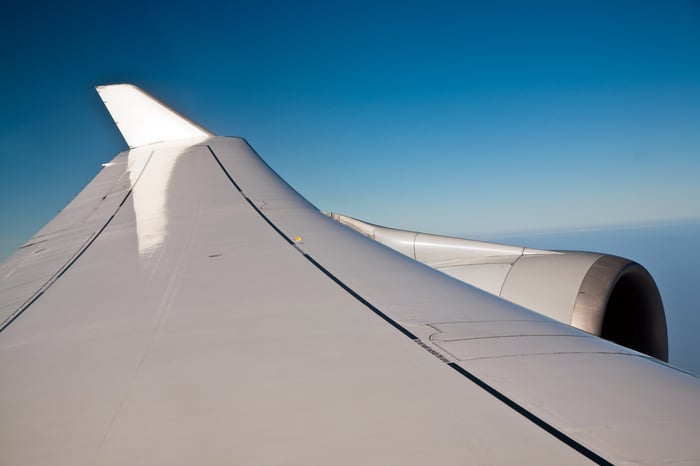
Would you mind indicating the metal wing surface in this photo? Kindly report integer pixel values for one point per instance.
(189, 307)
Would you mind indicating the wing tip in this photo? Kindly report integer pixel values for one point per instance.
(100, 88)
(143, 120)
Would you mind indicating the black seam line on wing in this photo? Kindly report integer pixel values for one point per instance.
(531, 417)
(362, 300)
(474, 379)
(233, 182)
(73, 259)
(349, 290)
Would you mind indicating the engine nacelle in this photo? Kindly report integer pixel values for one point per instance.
(608, 296)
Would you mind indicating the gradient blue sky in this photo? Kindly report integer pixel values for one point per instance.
(450, 117)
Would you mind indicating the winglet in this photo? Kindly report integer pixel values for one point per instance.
(144, 120)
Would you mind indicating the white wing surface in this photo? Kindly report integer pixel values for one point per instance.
(189, 307)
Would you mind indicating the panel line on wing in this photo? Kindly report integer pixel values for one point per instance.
(531, 417)
(40, 292)
(252, 204)
(349, 290)
(362, 300)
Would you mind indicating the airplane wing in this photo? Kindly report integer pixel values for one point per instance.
(190, 307)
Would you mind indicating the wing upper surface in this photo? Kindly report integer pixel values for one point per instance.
(616, 401)
(224, 344)
(217, 317)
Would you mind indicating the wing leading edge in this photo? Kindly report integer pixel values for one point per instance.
(214, 315)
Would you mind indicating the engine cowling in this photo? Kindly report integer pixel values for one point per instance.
(609, 296)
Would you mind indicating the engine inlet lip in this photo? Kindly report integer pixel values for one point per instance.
(601, 283)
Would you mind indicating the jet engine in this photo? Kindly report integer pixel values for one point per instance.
(608, 296)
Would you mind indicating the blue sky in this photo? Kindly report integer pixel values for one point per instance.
(449, 117)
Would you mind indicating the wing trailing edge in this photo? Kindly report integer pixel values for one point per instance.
(143, 120)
